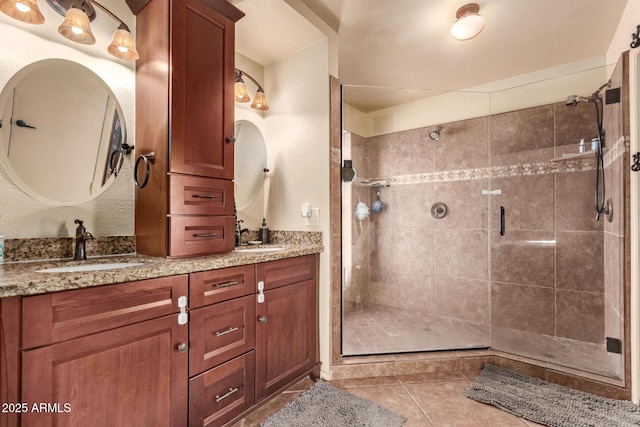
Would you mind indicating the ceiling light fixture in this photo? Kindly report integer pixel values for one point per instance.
(468, 22)
(242, 95)
(75, 26)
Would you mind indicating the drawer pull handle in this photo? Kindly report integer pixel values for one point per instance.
(226, 285)
(204, 196)
(205, 235)
(227, 394)
(228, 331)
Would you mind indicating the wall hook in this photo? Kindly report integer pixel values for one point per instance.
(635, 38)
(636, 162)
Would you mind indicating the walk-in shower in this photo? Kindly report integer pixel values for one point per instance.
(486, 238)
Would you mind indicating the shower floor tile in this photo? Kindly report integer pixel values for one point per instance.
(378, 329)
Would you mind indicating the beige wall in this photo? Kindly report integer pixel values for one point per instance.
(21, 216)
(297, 134)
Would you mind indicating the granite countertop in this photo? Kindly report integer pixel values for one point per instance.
(21, 278)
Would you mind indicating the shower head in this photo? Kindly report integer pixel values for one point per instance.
(435, 134)
(573, 100)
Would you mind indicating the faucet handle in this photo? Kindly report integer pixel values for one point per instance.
(78, 221)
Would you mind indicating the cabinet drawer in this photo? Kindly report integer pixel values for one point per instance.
(222, 393)
(286, 271)
(209, 287)
(221, 332)
(61, 316)
(200, 235)
(193, 195)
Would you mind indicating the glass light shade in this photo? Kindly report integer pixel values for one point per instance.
(468, 23)
(241, 93)
(76, 27)
(122, 46)
(22, 10)
(260, 101)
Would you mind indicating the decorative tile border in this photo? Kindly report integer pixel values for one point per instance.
(564, 166)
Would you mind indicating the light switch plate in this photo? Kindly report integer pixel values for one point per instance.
(315, 217)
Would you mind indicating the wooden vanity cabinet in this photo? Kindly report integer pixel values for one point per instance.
(105, 356)
(243, 349)
(184, 114)
(286, 331)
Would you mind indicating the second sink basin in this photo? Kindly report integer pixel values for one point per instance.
(88, 267)
(260, 249)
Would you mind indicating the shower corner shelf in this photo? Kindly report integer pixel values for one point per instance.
(375, 183)
(574, 156)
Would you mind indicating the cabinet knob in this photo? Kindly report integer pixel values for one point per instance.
(262, 319)
(231, 139)
(182, 347)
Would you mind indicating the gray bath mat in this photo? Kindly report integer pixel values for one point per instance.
(323, 405)
(549, 404)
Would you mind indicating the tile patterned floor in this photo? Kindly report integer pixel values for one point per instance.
(427, 400)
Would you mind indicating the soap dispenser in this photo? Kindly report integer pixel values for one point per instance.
(264, 232)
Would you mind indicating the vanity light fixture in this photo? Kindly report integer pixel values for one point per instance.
(75, 26)
(22, 10)
(242, 95)
(468, 22)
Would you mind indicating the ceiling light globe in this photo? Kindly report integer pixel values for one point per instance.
(468, 24)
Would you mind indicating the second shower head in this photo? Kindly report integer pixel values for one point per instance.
(435, 134)
(573, 100)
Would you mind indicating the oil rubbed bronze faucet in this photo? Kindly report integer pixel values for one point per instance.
(82, 236)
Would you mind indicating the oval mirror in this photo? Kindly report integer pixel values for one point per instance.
(250, 153)
(61, 132)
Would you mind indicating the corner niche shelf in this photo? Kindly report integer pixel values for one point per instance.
(375, 183)
(574, 156)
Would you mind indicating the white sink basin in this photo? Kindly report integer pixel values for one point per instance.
(89, 267)
(261, 249)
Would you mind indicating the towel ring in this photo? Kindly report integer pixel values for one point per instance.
(146, 158)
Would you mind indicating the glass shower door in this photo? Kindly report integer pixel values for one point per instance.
(415, 230)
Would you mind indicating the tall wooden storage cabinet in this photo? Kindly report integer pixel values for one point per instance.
(184, 115)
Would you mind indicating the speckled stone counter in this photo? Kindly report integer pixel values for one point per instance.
(21, 278)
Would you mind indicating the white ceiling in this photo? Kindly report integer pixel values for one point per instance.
(407, 44)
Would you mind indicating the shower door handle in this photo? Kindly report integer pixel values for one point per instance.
(502, 220)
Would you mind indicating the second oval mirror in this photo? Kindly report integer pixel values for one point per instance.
(250, 155)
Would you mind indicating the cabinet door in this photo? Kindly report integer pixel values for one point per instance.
(285, 336)
(202, 82)
(131, 376)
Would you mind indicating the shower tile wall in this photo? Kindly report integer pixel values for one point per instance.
(545, 275)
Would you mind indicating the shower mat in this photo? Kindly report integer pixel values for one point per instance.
(324, 405)
(549, 404)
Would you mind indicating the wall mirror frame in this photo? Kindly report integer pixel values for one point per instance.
(250, 154)
(62, 134)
